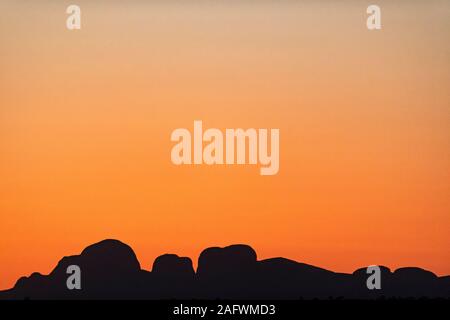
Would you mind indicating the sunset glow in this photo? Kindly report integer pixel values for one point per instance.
(364, 119)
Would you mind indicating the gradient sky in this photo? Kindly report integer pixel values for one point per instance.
(364, 118)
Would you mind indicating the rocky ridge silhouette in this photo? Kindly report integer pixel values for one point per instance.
(111, 270)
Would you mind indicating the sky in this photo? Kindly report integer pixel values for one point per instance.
(364, 118)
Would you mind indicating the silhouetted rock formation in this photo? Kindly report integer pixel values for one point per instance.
(173, 277)
(223, 261)
(110, 270)
(227, 272)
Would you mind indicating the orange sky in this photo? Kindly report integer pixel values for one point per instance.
(86, 117)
